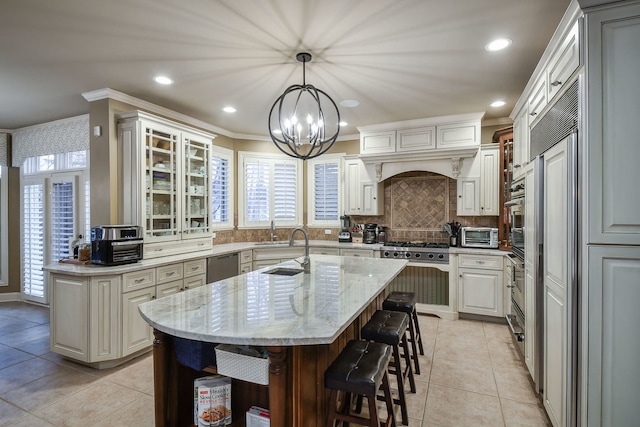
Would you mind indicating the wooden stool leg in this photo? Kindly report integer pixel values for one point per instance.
(402, 401)
(333, 403)
(414, 347)
(373, 411)
(407, 359)
(391, 415)
(418, 334)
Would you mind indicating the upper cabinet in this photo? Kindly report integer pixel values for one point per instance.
(480, 195)
(363, 194)
(166, 182)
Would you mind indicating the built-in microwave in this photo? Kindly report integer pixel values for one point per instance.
(479, 237)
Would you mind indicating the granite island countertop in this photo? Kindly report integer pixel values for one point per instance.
(276, 310)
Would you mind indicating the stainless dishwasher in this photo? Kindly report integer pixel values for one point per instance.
(222, 267)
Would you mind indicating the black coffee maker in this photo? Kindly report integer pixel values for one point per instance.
(370, 233)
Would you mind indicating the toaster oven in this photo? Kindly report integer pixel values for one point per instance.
(479, 237)
(116, 244)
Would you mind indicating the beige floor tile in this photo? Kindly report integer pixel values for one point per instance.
(515, 386)
(476, 376)
(92, 403)
(33, 395)
(138, 376)
(462, 350)
(518, 414)
(24, 372)
(461, 328)
(416, 401)
(29, 421)
(139, 413)
(10, 413)
(449, 407)
(496, 332)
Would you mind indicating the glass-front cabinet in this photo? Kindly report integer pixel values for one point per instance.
(166, 183)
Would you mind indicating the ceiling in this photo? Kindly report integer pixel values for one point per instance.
(400, 59)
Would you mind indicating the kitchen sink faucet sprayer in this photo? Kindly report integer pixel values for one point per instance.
(306, 263)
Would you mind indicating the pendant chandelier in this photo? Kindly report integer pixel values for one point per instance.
(304, 121)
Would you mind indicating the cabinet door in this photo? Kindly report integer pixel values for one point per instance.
(612, 125)
(104, 309)
(136, 333)
(369, 198)
(458, 135)
(530, 268)
(69, 316)
(538, 98)
(352, 187)
(520, 143)
(378, 142)
(480, 292)
(418, 139)
(489, 182)
(563, 63)
(196, 199)
(324, 251)
(195, 281)
(367, 253)
(468, 197)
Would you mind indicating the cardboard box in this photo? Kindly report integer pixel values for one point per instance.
(258, 417)
(212, 401)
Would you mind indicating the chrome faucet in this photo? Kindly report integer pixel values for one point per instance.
(272, 235)
(306, 263)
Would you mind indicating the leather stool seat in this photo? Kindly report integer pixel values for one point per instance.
(406, 303)
(360, 369)
(390, 327)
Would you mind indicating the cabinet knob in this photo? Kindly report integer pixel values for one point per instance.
(556, 83)
(461, 276)
(480, 262)
(533, 113)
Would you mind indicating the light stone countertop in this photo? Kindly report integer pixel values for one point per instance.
(216, 250)
(273, 310)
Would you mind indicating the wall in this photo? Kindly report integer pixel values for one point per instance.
(13, 232)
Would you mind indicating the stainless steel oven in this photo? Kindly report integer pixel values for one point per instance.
(517, 317)
(516, 215)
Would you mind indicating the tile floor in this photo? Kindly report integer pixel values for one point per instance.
(471, 376)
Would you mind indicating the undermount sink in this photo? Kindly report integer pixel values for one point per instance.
(284, 271)
(271, 243)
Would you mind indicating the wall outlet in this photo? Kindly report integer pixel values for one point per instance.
(213, 235)
(327, 231)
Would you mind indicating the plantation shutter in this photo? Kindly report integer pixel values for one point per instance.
(33, 248)
(284, 191)
(257, 191)
(219, 190)
(325, 190)
(62, 219)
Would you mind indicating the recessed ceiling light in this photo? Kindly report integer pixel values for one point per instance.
(229, 109)
(349, 103)
(343, 124)
(497, 104)
(498, 44)
(163, 80)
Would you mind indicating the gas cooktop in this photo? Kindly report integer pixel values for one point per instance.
(417, 251)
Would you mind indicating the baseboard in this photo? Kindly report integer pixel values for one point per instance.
(10, 296)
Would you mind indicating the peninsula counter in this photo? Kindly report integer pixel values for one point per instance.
(304, 320)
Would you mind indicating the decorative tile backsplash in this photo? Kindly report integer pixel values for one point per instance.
(416, 207)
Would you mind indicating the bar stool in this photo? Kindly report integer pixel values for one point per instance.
(360, 369)
(406, 302)
(390, 327)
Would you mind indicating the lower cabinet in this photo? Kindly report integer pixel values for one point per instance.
(480, 284)
(324, 251)
(366, 253)
(266, 257)
(96, 319)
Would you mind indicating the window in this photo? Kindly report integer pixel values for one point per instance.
(270, 190)
(4, 263)
(55, 211)
(324, 201)
(221, 188)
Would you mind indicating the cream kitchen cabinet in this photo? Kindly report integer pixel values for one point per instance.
(564, 61)
(362, 194)
(520, 143)
(266, 257)
(538, 98)
(480, 284)
(246, 259)
(366, 253)
(324, 251)
(458, 135)
(84, 323)
(165, 167)
(95, 320)
(378, 142)
(480, 195)
(416, 139)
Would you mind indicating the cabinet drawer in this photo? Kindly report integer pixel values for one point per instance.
(486, 262)
(367, 253)
(169, 288)
(246, 256)
(138, 279)
(195, 267)
(245, 267)
(324, 251)
(277, 254)
(195, 281)
(168, 273)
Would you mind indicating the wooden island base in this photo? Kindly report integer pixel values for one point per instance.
(295, 395)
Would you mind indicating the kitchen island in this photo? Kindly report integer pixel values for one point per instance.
(304, 320)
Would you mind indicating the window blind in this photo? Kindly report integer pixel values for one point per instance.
(284, 191)
(325, 190)
(257, 191)
(62, 209)
(219, 189)
(33, 238)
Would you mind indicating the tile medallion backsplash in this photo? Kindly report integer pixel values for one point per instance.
(420, 202)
